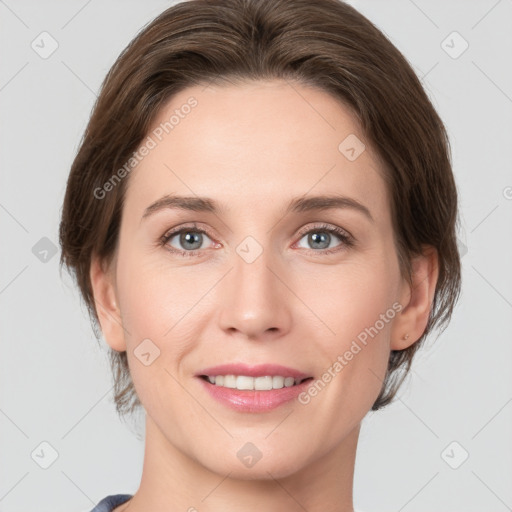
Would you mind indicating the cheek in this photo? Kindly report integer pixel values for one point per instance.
(350, 298)
(161, 305)
(155, 308)
(152, 298)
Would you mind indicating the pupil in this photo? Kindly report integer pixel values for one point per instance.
(315, 238)
(188, 238)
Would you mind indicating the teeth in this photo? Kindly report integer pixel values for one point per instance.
(244, 382)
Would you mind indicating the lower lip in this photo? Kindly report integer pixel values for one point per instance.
(252, 400)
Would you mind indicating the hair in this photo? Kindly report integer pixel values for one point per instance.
(325, 44)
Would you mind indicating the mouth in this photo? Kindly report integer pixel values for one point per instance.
(249, 383)
(253, 388)
(260, 377)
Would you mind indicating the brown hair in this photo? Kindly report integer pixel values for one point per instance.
(326, 44)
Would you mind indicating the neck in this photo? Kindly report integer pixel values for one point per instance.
(173, 481)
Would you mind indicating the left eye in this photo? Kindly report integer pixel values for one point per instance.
(321, 238)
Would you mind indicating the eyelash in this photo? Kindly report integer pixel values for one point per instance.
(346, 239)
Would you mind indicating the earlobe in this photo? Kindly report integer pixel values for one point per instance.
(417, 298)
(105, 301)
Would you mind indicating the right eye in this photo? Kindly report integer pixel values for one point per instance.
(189, 240)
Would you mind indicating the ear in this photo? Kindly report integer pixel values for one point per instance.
(416, 300)
(107, 308)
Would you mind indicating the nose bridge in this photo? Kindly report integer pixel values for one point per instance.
(254, 298)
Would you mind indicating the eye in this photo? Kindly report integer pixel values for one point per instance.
(189, 240)
(320, 238)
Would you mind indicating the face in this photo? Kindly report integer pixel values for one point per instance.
(252, 280)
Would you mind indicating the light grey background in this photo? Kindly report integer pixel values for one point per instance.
(55, 385)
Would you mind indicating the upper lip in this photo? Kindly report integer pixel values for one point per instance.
(259, 370)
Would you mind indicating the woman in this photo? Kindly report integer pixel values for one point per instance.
(261, 218)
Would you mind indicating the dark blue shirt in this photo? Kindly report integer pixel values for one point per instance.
(111, 502)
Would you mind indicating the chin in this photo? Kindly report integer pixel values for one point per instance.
(261, 467)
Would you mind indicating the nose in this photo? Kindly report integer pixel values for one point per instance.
(255, 301)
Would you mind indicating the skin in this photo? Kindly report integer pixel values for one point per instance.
(253, 147)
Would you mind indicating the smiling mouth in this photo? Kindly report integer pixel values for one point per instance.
(247, 383)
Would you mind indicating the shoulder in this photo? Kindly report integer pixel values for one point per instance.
(108, 503)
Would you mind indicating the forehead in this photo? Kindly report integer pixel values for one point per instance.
(256, 143)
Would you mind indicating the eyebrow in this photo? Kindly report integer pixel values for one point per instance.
(299, 204)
